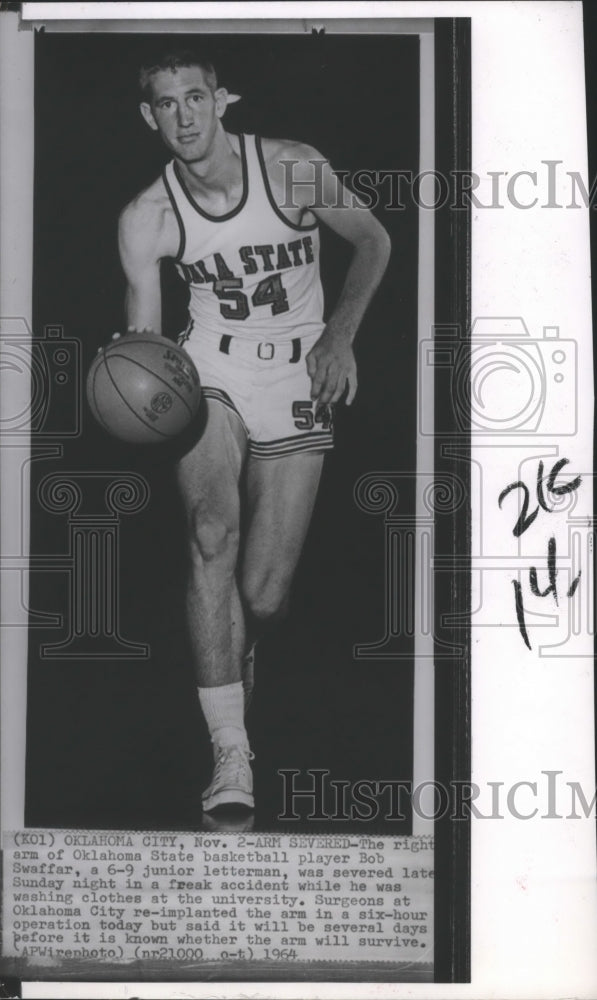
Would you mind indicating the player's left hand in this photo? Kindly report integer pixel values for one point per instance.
(332, 368)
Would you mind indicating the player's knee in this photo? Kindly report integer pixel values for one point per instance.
(266, 598)
(213, 538)
(267, 608)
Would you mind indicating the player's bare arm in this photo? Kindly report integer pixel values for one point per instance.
(331, 363)
(147, 232)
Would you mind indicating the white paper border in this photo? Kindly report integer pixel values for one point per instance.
(534, 887)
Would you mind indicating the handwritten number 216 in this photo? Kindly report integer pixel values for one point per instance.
(525, 519)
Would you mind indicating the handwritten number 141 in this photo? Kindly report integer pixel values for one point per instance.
(524, 521)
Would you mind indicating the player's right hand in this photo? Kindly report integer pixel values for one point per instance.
(130, 329)
(133, 329)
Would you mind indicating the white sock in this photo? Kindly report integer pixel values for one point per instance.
(223, 708)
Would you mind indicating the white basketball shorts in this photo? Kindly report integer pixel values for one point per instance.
(268, 388)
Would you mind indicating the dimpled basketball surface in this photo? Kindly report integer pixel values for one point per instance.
(143, 389)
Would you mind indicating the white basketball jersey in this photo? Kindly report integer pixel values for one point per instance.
(251, 273)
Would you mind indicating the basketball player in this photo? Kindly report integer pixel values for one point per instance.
(271, 371)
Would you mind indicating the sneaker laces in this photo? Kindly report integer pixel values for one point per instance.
(234, 760)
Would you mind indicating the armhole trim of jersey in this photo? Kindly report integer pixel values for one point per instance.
(182, 242)
(270, 197)
(233, 211)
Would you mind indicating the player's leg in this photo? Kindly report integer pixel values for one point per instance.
(208, 478)
(281, 494)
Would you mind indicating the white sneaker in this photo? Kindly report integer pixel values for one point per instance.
(248, 676)
(232, 783)
(228, 821)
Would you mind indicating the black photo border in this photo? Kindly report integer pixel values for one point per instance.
(453, 532)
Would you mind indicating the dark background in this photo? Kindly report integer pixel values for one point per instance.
(123, 744)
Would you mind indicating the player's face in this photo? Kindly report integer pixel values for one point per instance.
(185, 111)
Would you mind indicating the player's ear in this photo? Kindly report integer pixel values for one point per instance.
(147, 113)
(221, 99)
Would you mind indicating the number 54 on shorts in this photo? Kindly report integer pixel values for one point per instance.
(305, 416)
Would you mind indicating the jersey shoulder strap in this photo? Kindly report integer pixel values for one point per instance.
(266, 193)
(259, 194)
(174, 192)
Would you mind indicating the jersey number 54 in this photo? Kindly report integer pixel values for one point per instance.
(235, 305)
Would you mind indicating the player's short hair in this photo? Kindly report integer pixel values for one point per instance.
(175, 59)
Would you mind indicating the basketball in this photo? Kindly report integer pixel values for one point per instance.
(143, 388)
